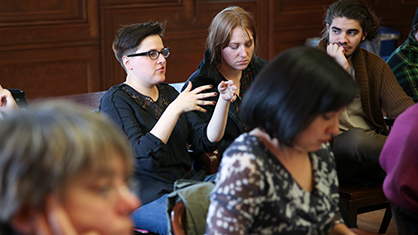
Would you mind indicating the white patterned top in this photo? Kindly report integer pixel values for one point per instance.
(255, 194)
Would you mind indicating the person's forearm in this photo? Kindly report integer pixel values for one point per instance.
(165, 125)
(217, 124)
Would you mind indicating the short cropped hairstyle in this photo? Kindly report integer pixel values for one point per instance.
(293, 89)
(47, 147)
(354, 10)
(130, 37)
(222, 27)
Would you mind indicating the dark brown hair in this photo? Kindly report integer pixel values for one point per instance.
(355, 10)
(130, 37)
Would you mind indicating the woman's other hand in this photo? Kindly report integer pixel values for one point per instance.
(227, 90)
(7, 103)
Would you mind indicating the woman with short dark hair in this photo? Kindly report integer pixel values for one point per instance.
(280, 178)
(158, 120)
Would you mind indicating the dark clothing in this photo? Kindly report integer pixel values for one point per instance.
(405, 221)
(19, 97)
(157, 165)
(206, 74)
(378, 88)
(362, 160)
(6, 229)
(404, 64)
(357, 151)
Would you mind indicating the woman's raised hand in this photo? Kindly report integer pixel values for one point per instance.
(191, 100)
(227, 90)
(7, 103)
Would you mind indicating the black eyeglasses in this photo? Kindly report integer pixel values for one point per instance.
(153, 54)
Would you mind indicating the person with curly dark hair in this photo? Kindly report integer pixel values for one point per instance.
(363, 131)
(64, 170)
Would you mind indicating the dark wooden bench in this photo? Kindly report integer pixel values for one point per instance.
(90, 100)
(362, 199)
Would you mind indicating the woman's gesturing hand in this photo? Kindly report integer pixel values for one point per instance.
(191, 100)
(227, 90)
(7, 103)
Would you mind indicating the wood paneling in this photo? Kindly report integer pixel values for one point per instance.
(73, 21)
(27, 12)
(295, 21)
(63, 47)
(52, 72)
(51, 47)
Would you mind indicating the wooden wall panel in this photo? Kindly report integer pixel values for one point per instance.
(76, 22)
(137, 3)
(22, 11)
(51, 47)
(52, 72)
(62, 47)
(295, 21)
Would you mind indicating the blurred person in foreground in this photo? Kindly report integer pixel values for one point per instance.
(64, 170)
(399, 160)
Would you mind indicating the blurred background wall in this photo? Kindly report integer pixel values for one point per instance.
(62, 47)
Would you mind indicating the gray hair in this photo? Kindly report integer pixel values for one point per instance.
(49, 145)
